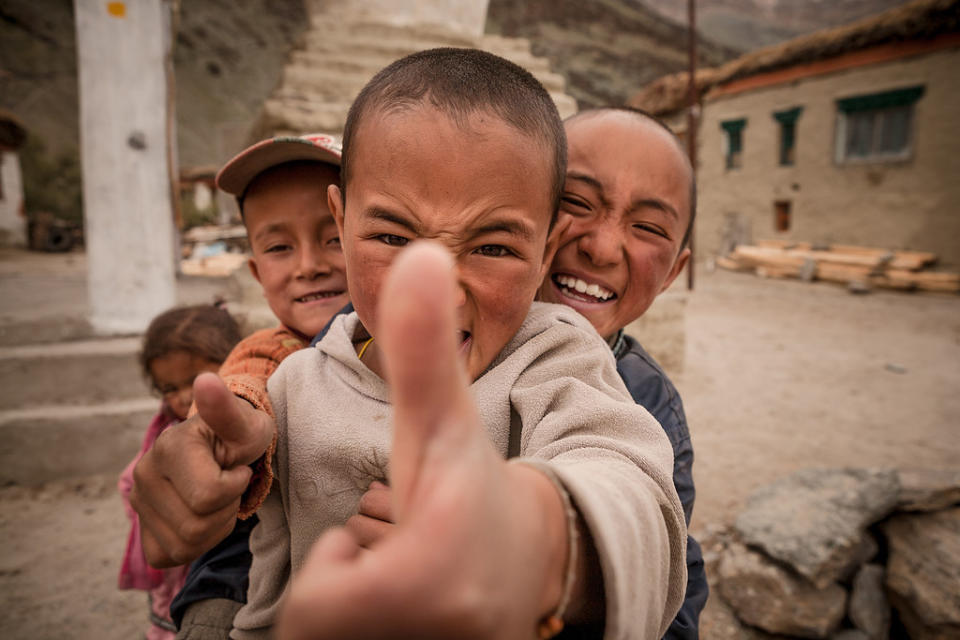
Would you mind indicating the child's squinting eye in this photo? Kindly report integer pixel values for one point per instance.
(392, 240)
(493, 251)
(274, 248)
(651, 229)
(574, 203)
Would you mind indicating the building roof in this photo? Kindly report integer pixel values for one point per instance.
(917, 20)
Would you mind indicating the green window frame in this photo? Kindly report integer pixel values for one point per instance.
(788, 134)
(876, 127)
(733, 152)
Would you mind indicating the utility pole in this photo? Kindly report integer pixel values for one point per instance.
(693, 108)
(125, 126)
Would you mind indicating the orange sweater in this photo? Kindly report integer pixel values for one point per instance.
(245, 372)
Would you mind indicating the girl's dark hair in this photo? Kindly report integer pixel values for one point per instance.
(205, 330)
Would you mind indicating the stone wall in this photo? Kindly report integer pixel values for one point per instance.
(852, 554)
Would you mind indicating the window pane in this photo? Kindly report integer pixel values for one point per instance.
(893, 129)
(860, 133)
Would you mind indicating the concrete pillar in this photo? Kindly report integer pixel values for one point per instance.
(466, 16)
(13, 223)
(124, 119)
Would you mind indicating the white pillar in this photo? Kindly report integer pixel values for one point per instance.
(466, 16)
(13, 223)
(121, 55)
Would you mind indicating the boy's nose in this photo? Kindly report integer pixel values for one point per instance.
(312, 264)
(602, 246)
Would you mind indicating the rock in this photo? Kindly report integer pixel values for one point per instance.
(923, 572)
(862, 552)
(765, 595)
(850, 634)
(719, 622)
(869, 609)
(814, 520)
(928, 490)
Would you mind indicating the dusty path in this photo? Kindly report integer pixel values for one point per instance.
(779, 376)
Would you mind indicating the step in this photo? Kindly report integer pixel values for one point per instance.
(47, 443)
(333, 27)
(80, 372)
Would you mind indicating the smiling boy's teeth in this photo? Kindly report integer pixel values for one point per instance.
(580, 286)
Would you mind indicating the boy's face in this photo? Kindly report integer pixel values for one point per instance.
(296, 246)
(482, 190)
(627, 197)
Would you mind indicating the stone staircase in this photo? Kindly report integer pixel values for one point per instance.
(72, 404)
(336, 57)
(70, 408)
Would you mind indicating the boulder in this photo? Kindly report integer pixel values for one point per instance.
(869, 610)
(768, 596)
(923, 572)
(928, 489)
(850, 634)
(815, 519)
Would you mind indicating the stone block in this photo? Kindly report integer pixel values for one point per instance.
(768, 596)
(923, 572)
(869, 609)
(928, 489)
(815, 519)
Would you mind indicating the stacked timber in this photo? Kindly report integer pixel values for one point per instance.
(855, 266)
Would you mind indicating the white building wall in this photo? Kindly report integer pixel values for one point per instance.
(13, 223)
(912, 203)
(126, 178)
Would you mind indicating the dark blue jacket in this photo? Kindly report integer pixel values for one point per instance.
(652, 389)
(222, 571)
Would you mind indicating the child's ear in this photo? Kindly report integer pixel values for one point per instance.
(335, 204)
(678, 266)
(553, 243)
(252, 263)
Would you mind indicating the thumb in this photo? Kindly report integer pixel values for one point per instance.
(419, 343)
(242, 433)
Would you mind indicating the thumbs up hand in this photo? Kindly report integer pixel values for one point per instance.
(480, 545)
(187, 487)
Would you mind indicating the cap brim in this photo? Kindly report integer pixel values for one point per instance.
(236, 175)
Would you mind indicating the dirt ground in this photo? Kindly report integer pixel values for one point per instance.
(779, 375)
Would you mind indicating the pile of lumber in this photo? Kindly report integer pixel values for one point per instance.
(847, 264)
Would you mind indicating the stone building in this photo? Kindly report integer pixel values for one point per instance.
(846, 136)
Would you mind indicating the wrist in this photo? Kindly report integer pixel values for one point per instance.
(557, 538)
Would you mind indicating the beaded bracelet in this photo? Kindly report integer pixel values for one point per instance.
(553, 624)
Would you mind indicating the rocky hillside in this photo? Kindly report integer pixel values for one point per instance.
(606, 49)
(750, 24)
(229, 57)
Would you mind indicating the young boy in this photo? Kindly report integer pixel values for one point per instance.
(466, 149)
(280, 185)
(629, 199)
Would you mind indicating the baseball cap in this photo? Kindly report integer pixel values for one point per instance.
(237, 174)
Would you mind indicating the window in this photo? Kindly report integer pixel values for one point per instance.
(788, 134)
(781, 215)
(876, 127)
(733, 142)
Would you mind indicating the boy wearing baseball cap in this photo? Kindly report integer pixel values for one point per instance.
(281, 189)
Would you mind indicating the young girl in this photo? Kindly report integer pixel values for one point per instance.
(179, 345)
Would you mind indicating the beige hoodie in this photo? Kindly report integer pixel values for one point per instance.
(576, 418)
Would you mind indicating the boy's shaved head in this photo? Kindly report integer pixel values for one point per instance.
(461, 83)
(649, 118)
